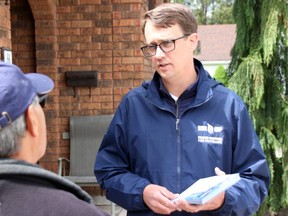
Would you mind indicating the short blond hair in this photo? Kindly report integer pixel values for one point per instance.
(168, 14)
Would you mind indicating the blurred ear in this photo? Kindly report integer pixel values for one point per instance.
(31, 120)
(193, 38)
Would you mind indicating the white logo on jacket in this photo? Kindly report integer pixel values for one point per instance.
(208, 133)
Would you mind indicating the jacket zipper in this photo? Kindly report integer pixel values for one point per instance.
(178, 146)
(178, 165)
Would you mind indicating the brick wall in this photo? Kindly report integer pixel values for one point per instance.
(5, 27)
(23, 37)
(53, 37)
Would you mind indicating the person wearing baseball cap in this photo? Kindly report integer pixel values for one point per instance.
(26, 188)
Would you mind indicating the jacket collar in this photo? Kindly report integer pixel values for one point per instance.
(22, 169)
(200, 92)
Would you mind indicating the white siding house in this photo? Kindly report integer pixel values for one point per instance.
(215, 44)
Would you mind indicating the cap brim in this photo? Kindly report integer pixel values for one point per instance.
(42, 83)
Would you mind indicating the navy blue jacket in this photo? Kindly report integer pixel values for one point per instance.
(152, 139)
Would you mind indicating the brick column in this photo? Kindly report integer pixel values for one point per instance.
(44, 13)
(5, 27)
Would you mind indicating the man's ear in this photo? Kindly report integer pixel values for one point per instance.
(31, 120)
(193, 38)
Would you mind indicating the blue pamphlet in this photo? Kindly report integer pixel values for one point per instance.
(207, 188)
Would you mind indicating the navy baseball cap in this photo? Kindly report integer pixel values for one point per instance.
(17, 91)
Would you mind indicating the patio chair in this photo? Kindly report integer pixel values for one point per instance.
(86, 133)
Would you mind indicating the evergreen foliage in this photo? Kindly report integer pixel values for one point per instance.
(259, 74)
(210, 11)
(221, 75)
(222, 15)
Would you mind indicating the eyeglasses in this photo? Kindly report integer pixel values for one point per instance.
(42, 100)
(165, 46)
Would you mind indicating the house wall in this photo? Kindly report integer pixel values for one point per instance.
(211, 66)
(52, 37)
(23, 36)
(5, 28)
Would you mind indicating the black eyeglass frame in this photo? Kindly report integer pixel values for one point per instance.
(159, 45)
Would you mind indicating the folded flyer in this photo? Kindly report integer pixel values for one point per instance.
(207, 188)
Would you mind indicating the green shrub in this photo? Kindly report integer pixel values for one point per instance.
(221, 75)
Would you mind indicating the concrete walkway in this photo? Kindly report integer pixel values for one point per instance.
(105, 205)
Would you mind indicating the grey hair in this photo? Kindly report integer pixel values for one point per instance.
(168, 14)
(11, 135)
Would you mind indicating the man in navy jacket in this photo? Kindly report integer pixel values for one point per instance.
(180, 127)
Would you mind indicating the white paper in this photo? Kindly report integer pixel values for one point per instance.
(206, 188)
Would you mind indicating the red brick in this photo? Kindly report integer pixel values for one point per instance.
(78, 35)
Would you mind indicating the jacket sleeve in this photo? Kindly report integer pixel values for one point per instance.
(245, 197)
(112, 167)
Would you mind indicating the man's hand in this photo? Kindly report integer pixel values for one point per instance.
(213, 204)
(158, 199)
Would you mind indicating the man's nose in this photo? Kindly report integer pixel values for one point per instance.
(159, 52)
